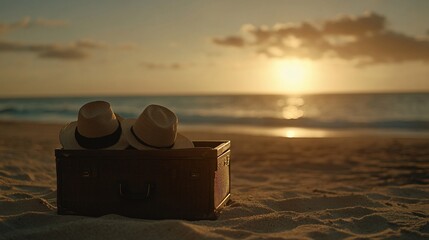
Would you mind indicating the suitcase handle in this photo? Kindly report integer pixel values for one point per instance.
(135, 196)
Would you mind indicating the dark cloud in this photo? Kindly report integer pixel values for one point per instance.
(361, 25)
(76, 51)
(364, 38)
(234, 41)
(27, 22)
(90, 44)
(65, 53)
(385, 47)
(162, 66)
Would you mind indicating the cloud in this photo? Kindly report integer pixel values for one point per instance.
(64, 53)
(361, 25)
(7, 27)
(27, 22)
(127, 46)
(163, 66)
(90, 44)
(364, 38)
(50, 22)
(386, 47)
(75, 51)
(234, 41)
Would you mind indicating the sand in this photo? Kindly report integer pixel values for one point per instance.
(320, 188)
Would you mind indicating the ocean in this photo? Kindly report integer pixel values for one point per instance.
(312, 115)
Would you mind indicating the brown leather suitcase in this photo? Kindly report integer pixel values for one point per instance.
(154, 184)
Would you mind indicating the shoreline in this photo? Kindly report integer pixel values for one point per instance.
(285, 132)
(300, 132)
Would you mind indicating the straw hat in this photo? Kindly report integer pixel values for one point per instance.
(97, 127)
(155, 128)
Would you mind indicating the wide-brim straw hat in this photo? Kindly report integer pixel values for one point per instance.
(155, 128)
(97, 127)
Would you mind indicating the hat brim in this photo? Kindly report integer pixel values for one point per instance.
(68, 140)
(180, 143)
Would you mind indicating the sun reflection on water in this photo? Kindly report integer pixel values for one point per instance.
(289, 133)
(296, 101)
(293, 132)
(292, 110)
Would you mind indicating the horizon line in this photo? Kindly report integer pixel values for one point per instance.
(19, 96)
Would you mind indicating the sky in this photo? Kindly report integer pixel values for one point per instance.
(137, 47)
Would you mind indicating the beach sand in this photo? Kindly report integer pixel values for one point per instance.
(313, 188)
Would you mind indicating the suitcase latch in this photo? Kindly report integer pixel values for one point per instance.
(143, 195)
(195, 174)
(88, 172)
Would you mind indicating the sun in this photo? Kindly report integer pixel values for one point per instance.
(292, 74)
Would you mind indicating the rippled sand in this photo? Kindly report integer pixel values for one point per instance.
(324, 188)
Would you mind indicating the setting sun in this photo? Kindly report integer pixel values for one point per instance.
(293, 74)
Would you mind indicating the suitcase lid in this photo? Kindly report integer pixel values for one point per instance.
(203, 149)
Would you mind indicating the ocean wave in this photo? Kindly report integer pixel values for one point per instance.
(36, 111)
(402, 111)
(306, 122)
(61, 115)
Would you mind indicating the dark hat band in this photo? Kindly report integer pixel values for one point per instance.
(99, 142)
(146, 144)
